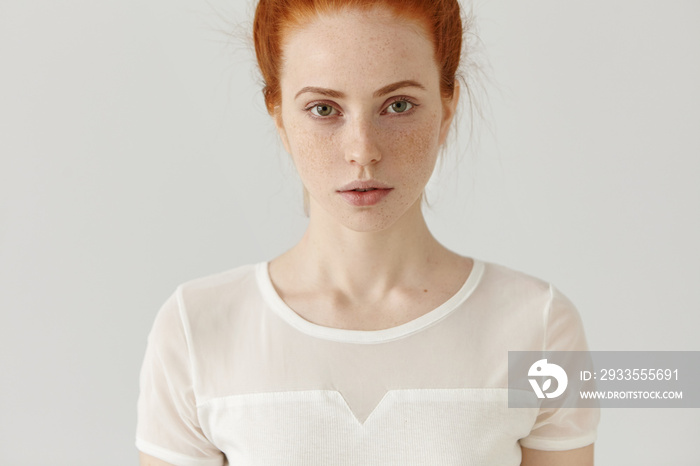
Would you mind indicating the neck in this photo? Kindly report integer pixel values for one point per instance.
(365, 264)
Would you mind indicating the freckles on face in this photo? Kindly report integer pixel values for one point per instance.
(313, 156)
(420, 143)
(348, 60)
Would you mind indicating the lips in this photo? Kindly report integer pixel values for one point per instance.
(364, 193)
(364, 185)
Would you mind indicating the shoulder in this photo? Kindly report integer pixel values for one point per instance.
(232, 279)
(207, 293)
(532, 311)
(511, 285)
(204, 301)
(521, 289)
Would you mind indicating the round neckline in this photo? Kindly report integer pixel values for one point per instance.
(287, 314)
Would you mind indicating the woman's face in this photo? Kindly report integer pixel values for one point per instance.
(361, 102)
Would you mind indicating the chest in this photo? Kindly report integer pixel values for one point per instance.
(417, 427)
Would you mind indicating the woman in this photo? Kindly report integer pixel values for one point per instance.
(368, 342)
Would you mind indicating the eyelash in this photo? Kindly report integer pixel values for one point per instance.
(308, 109)
(401, 99)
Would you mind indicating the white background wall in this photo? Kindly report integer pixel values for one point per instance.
(135, 153)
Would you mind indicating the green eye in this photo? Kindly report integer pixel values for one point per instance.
(323, 110)
(400, 106)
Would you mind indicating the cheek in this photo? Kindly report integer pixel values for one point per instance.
(417, 150)
(313, 155)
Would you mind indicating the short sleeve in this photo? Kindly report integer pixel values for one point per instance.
(571, 427)
(167, 422)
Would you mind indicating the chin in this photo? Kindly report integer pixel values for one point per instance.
(371, 219)
(363, 219)
(367, 226)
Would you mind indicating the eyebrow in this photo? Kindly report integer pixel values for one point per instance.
(378, 93)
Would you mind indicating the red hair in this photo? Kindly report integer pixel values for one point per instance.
(441, 19)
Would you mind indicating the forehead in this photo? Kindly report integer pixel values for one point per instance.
(357, 49)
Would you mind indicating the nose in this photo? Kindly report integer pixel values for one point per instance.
(362, 145)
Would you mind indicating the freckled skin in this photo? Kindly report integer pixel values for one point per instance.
(357, 53)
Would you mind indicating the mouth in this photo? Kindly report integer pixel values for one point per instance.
(364, 197)
(364, 186)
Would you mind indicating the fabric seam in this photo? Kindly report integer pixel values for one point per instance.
(271, 297)
(589, 438)
(188, 340)
(170, 455)
(547, 314)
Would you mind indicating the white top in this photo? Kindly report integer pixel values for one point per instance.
(232, 374)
